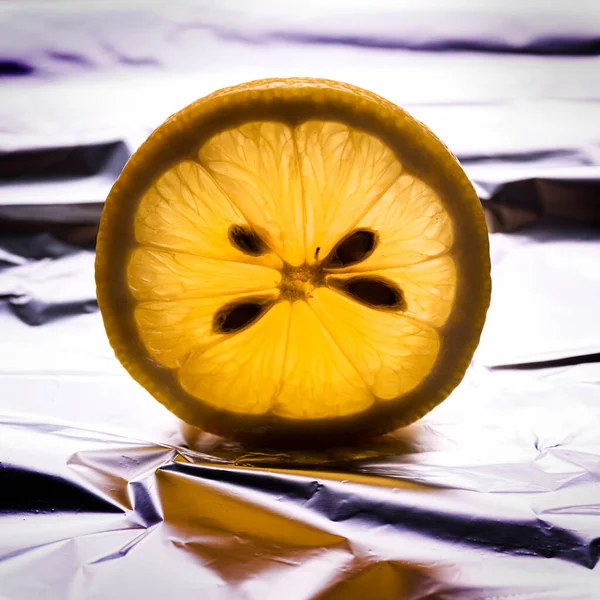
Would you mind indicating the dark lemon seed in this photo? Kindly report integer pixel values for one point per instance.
(354, 248)
(238, 315)
(372, 291)
(247, 240)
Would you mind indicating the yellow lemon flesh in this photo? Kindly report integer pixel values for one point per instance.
(294, 261)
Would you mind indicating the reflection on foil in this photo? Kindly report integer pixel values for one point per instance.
(471, 502)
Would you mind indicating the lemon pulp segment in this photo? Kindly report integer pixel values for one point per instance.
(332, 298)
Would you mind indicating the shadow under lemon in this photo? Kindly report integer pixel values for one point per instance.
(399, 445)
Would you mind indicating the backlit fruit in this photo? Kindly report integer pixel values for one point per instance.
(294, 261)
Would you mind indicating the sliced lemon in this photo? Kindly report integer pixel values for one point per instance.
(294, 261)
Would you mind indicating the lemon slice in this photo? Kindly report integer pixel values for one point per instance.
(294, 261)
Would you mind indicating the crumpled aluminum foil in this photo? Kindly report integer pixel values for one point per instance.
(495, 494)
(104, 495)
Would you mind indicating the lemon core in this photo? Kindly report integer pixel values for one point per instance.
(298, 283)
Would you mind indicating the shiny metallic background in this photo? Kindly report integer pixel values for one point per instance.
(494, 495)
